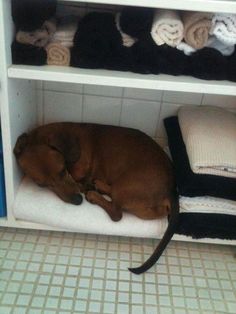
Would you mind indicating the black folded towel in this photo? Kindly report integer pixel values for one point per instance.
(29, 15)
(150, 58)
(199, 225)
(98, 44)
(189, 183)
(136, 21)
(208, 64)
(28, 54)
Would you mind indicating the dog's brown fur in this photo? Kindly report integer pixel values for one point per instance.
(123, 163)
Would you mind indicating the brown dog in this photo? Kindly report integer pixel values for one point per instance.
(123, 163)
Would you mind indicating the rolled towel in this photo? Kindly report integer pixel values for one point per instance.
(167, 28)
(136, 22)
(57, 54)
(224, 28)
(66, 29)
(196, 28)
(39, 37)
(28, 54)
(128, 41)
(209, 134)
(30, 15)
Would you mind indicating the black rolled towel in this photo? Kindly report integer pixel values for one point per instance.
(29, 15)
(231, 67)
(136, 21)
(208, 64)
(98, 44)
(28, 54)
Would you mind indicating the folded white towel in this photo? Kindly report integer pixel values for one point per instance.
(167, 28)
(209, 134)
(224, 49)
(128, 41)
(66, 29)
(212, 42)
(40, 205)
(224, 28)
(186, 48)
(207, 205)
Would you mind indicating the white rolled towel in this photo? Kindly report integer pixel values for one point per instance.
(167, 28)
(66, 29)
(224, 28)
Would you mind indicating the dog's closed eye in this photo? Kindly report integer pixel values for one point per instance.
(62, 173)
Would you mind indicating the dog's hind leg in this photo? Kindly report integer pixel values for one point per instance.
(113, 211)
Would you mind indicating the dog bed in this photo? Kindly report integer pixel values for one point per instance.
(40, 205)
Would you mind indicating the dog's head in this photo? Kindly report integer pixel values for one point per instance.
(46, 164)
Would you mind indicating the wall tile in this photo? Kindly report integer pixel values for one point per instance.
(140, 114)
(103, 90)
(63, 87)
(182, 98)
(219, 100)
(137, 93)
(62, 107)
(102, 109)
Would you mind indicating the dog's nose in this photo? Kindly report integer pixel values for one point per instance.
(76, 199)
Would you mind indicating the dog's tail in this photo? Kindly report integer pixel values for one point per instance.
(173, 221)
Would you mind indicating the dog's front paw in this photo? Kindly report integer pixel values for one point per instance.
(91, 197)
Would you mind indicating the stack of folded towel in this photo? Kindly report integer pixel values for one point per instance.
(58, 49)
(34, 28)
(137, 39)
(202, 142)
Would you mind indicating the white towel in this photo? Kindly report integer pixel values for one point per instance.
(224, 28)
(209, 134)
(212, 42)
(207, 205)
(128, 41)
(167, 28)
(40, 205)
(66, 29)
(186, 48)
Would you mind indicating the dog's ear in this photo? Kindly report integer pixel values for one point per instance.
(69, 146)
(21, 143)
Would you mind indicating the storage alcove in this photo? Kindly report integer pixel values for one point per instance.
(31, 96)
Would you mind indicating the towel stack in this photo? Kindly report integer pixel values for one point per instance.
(34, 28)
(202, 142)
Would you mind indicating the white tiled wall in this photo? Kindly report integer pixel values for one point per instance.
(138, 108)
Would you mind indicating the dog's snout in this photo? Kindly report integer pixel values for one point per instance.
(76, 199)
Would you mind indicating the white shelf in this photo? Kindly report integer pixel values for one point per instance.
(193, 5)
(122, 79)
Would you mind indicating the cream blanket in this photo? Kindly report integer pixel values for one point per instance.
(196, 28)
(209, 134)
(167, 28)
(207, 205)
(224, 28)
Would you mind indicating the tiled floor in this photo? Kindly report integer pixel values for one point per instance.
(52, 272)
